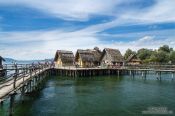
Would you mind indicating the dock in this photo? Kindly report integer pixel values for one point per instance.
(27, 77)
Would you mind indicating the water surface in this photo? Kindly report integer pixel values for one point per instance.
(97, 96)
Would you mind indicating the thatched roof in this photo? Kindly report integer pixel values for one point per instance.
(97, 55)
(133, 57)
(66, 56)
(85, 55)
(114, 54)
(1, 58)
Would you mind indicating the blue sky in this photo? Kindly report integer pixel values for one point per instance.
(35, 29)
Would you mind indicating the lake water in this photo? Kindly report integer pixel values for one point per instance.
(97, 96)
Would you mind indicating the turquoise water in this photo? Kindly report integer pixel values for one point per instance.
(96, 96)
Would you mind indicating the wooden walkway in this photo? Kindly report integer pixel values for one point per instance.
(18, 80)
(11, 86)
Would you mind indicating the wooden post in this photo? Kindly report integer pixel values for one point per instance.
(108, 72)
(130, 73)
(157, 75)
(160, 76)
(145, 74)
(142, 74)
(12, 97)
(2, 102)
(15, 76)
(23, 74)
(172, 78)
(23, 93)
(30, 71)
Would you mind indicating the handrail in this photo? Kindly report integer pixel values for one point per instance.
(29, 68)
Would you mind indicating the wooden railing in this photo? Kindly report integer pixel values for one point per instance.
(21, 71)
(156, 67)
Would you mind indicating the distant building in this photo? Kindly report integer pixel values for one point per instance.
(84, 58)
(111, 57)
(64, 58)
(133, 60)
(1, 60)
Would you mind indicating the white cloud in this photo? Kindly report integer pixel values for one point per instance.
(69, 9)
(43, 44)
(161, 11)
(149, 42)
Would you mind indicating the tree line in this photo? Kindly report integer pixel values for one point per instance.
(162, 55)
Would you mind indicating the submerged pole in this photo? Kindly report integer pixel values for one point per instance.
(172, 78)
(11, 110)
(142, 74)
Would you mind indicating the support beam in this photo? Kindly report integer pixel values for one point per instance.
(11, 107)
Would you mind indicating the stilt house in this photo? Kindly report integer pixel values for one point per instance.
(133, 60)
(88, 58)
(84, 58)
(64, 58)
(111, 57)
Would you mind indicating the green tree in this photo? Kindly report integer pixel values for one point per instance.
(172, 57)
(144, 54)
(128, 53)
(165, 48)
(153, 57)
(162, 57)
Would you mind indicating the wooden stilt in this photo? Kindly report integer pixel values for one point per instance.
(172, 78)
(12, 97)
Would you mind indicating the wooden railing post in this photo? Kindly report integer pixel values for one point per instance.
(30, 71)
(15, 76)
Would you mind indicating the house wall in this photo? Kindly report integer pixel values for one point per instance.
(96, 63)
(84, 64)
(67, 64)
(80, 63)
(58, 63)
(106, 60)
(87, 64)
(133, 62)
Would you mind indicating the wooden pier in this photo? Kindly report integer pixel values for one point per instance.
(23, 80)
(27, 77)
(89, 72)
(86, 72)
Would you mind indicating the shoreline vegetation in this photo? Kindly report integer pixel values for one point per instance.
(163, 55)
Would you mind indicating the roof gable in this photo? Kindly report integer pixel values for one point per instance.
(66, 56)
(115, 54)
(85, 55)
(133, 57)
